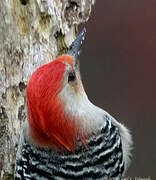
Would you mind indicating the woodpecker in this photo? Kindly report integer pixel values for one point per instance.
(66, 137)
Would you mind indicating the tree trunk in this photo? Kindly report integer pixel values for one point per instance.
(32, 32)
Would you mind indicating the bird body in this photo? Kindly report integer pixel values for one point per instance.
(66, 136)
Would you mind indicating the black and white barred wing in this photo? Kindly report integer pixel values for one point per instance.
(103, 159)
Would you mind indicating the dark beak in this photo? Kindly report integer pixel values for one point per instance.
(75, 48)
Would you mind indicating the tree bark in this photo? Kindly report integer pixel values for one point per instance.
(32, 33)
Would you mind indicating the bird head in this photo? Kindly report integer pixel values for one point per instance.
(54, 94)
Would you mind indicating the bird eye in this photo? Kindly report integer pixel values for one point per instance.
(71, 76)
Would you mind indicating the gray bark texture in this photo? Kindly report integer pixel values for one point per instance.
(32, 33)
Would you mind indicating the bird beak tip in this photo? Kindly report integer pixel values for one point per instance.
(75, 47)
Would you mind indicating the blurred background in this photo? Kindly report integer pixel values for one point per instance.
(118, 67)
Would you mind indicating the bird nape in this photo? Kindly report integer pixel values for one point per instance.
(67, 137)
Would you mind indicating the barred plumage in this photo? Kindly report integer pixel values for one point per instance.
(101, 159)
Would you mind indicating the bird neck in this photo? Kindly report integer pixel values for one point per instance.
(55, 128)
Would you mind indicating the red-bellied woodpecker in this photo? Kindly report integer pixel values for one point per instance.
(66, 136)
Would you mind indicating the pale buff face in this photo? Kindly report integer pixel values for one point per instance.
(76, 102)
